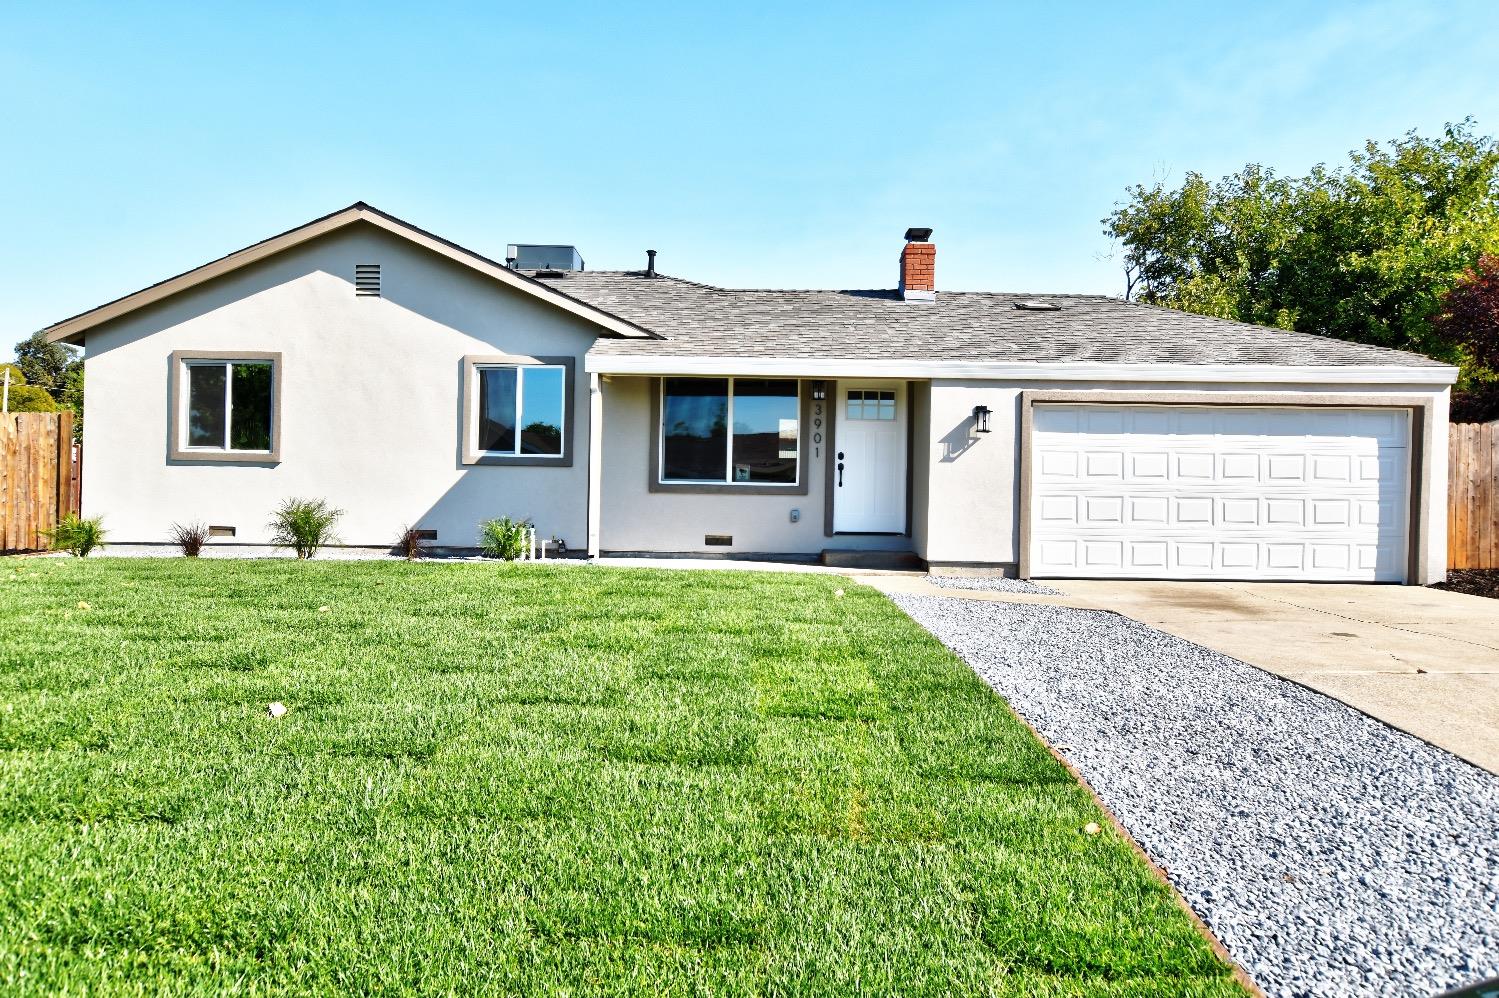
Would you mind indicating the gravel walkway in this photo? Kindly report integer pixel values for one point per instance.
(1332, 854)
(991, 584)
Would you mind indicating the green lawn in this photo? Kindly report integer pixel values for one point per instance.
(566, 780)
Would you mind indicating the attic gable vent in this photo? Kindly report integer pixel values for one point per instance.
(367, 280)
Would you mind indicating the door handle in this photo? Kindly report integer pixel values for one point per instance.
(840, 473)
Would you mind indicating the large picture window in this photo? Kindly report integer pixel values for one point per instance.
(229, 405)
(730, 431)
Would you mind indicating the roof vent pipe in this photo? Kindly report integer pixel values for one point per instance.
(650, 263)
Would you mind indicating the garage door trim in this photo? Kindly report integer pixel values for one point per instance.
(1419, 444)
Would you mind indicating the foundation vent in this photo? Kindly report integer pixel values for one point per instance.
(718, 540)
(220, 531)
(367, 280)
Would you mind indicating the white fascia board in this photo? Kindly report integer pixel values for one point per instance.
(1016, 371)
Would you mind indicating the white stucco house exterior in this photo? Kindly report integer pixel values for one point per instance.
(411, 381)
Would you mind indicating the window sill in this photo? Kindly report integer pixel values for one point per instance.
(195, 455)
(517, 460)
(726, 489)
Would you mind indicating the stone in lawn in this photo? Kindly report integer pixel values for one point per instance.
(324, 609)
(1092, 828)
(277, 709)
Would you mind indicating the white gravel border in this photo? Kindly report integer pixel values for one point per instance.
(992, 584)
(1332, 854)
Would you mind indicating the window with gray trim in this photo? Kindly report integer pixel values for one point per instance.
(230, 405)
(730, 431)
(518, 410)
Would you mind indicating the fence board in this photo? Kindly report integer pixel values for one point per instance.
(1473, 496)
(37, 473)
(1491, 431)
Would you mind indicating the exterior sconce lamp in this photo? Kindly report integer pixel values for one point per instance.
(819, 390)
(981, 418)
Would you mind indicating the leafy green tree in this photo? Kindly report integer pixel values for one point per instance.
(53, 375)
(46, 365)
(1363, 252)
(24, 397)
(1469, 314)
(71, 397)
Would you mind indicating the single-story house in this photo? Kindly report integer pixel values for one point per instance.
(412, 381)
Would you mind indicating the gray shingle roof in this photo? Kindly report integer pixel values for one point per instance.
(704, 321)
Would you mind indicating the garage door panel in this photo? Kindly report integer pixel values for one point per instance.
(1289, 512)
(1192, 555)
(1103, 555)
(1059, 464)
(1148, 555)
(1290, 515)
(1150, 466)
(1105, 511)
(1194, 467)
(1239, 468)
(1219, 492)
(1103, 465)
(1056, 554)
(1332, 468)
(1329, 513)
(1242, 511)
(1285, 468)
(1102, 423)
(1149, 509)
(1239, 556)
(1058, 509)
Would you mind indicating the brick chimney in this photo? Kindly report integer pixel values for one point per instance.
(918, 266)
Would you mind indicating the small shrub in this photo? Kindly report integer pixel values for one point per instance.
(503, 538)
(304, 525)
(409, 544)
(77, 536)
(190, 537)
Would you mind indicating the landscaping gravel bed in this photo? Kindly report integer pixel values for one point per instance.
(991, 584)
(1332, 854)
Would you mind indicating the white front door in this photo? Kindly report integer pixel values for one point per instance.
(869, 467)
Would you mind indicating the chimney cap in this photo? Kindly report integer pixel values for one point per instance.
(916, 234)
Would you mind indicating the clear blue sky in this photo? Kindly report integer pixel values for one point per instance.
(769, 145)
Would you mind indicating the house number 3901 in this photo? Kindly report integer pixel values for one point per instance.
(817, 429)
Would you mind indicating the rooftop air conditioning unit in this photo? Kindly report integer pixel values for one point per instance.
(532, 256)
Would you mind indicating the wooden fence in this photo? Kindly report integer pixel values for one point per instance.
(1473, 495)
(40, 476)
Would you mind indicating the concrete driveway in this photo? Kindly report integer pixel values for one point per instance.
(1422, 660)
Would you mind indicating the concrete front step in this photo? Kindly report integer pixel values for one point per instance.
(891, 561)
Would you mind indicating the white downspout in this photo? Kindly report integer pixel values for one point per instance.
(595, 461)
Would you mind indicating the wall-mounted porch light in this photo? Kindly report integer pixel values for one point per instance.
(981, 418)
(819, 390)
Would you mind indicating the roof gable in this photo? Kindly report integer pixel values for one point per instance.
(72, 330)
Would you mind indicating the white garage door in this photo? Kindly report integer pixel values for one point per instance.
(1225, 492)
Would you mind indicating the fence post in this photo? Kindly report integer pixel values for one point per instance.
(64, 490)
